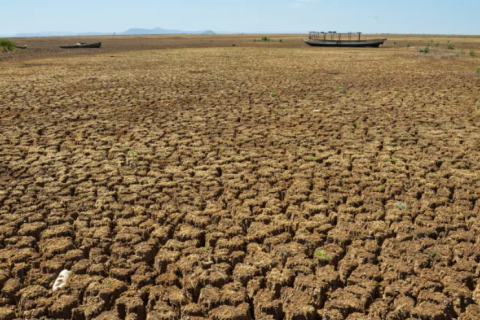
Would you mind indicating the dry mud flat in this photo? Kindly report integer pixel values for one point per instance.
(175, 184)
(48, 47)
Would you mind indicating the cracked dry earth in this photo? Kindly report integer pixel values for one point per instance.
(175, 185)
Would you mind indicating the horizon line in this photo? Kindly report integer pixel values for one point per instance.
(193, 33)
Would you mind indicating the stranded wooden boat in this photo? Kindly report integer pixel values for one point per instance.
(21, 47)
(352, 44)
(83, 45)
(327, 39)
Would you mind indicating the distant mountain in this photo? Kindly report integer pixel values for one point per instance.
(163, 31)
(59, 34)
(44, 34)
(128, 32)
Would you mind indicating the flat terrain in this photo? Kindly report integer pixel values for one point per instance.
(261, 181)
(50, 47)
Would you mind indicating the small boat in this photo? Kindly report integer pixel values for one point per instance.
(79, 45)
(21, 47)
(320, 39)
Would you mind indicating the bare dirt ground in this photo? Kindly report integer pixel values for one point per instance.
(261, 181)
(49, 47)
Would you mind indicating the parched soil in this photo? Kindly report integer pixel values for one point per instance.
(49, 47)
(241, 183)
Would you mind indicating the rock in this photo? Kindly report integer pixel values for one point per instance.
(62, 280)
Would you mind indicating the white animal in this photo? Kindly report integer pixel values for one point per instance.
(62, 280)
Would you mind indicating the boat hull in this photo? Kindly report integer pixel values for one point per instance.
(349, 44)
(93, 45)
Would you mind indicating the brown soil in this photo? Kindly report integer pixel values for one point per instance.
(261, 181)
(47, 47)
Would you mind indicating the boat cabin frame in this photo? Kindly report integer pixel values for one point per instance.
(331, 35)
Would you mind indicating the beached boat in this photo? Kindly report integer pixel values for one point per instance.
(21, 47)
(83, 45)
(363, 43)
(333, 39)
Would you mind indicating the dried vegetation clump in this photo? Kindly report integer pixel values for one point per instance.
(6, 45)
(175, 185)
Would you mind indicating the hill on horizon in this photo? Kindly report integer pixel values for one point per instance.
(163, 31)
(132, 31)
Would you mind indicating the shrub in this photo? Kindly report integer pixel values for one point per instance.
(477, 70)
(426, 49)
(322, 255)
(340, 89)
(471, 53)
(461, 51)
(408, 45)
(273, 94)
(280, 40)
(6, 45)
(437, 44)
(451, 46)
(132, 158)
(478, 105)
(264, 39)
(309, 311)
(400, 205)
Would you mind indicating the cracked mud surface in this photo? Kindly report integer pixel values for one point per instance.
(175, 185)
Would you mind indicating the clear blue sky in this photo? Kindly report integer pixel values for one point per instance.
(368, 16)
